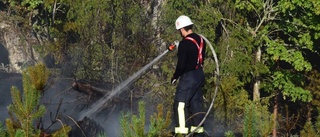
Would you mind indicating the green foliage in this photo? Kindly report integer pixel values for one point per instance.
(110, 40)
(134, 126)
(204, 15)
(287, 83)
(138, 122)
(314, 87)
(278, 51)
(283, 40)
(311, 129)
(301, 24)
(40, 16)
(250, 119)
(229, 134)
(250, 5)
(257, 120)
(39, 75)
(43, 20)
(28, 4)
(25, 107)
(113, 42)
(287, 31)
(31, 4)
(157, 82)
(21, 133)
(230, 101)
(10, 127)
(3, 132)
(125, 129)
(62, 132)
(159, 123)
(236, 57)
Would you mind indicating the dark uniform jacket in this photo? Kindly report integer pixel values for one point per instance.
(188, 55)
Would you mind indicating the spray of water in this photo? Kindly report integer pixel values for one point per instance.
(100, 103)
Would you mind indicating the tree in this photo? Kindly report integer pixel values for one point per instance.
(26, 107)
(267, 49)
(116, 38)
(282, 29)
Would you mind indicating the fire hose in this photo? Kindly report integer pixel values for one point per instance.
(97, 105)
(217, 74)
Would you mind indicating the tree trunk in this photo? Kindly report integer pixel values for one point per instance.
(256, 85)
(256, 92)
(87, 88)
(275, 113)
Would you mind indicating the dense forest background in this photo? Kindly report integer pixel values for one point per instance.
(268, 52)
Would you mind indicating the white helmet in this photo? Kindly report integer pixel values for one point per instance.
(183, 21)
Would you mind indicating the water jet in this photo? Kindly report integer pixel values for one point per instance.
(95, 107)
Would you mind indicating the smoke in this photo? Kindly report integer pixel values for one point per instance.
(73, 103)
(7, 80)
(62, 103)
(109, 120)
(66, 105)
(118, 90)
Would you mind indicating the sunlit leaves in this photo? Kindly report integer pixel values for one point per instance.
(287, 83)
(29, 4)
(313, 5)
(289, 29)
(301, 17)
(285, 52)
(250, 5)
(32, 3)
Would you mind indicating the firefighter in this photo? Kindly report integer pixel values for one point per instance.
(188, 101)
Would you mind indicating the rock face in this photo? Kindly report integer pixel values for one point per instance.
(17, 46)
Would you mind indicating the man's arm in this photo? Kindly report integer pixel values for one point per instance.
(182, 58)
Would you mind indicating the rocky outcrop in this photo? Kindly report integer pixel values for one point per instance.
(19, 47)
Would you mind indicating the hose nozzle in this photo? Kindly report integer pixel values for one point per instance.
(173, 45)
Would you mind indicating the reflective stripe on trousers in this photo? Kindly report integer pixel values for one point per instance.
(199, 130)
(182, 120)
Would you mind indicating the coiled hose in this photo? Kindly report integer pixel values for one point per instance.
(216, 88)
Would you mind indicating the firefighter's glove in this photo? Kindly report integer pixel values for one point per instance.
(176, 42)
(173, 80)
